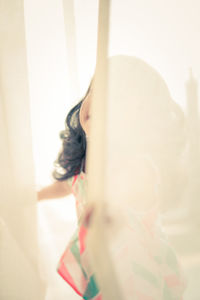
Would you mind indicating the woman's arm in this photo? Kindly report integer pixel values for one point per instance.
(58, 189)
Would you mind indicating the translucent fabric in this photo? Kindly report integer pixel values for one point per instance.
(146, 265)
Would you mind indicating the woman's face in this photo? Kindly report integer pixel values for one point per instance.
(84, 114)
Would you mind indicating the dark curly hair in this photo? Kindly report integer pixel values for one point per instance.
(71, 159)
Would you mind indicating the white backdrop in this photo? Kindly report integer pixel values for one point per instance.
(38, 69)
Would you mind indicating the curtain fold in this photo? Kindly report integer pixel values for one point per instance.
(19, 270)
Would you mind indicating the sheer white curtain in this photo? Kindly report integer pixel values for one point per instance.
(41, 77)
(19, 272)
(52, 93)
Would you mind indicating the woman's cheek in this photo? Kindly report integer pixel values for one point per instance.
(87, 127)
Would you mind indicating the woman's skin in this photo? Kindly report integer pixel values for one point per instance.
(57, 189)
(60, 189)
(143, 173)
(84, 114)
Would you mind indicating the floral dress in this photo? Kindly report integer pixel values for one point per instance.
(146, 266)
